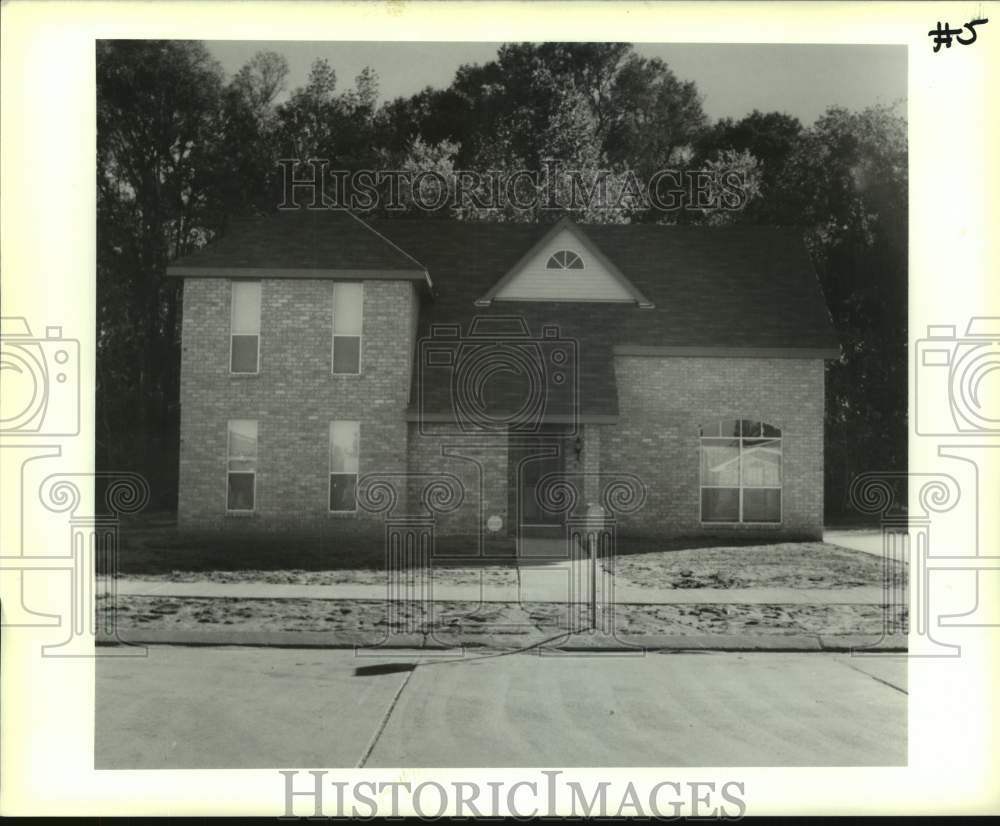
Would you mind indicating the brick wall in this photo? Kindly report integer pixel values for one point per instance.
(479, 462)
(294, 397)
(663, 400)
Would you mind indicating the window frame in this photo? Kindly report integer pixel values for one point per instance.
(330, 473)
(563, 268)
(232, 311)
(230, 458)
(740, 487)
(333, 330)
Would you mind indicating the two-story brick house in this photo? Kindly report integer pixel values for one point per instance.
(319, 349)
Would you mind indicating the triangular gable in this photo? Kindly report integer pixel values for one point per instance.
(597, 279)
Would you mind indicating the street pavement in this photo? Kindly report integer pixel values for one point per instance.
(203, 708)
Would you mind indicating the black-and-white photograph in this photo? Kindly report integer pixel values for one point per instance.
(501, 404)
(483, 409)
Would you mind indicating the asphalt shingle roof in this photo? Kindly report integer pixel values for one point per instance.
(712, 287)
(299, 240)
(740, 288)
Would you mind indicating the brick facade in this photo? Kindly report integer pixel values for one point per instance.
(293, 397)
(662, 400)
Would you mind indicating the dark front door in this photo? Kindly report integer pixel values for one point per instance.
(534, 460)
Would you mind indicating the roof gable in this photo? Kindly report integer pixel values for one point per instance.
(564, 265)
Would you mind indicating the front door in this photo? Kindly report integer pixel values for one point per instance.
(534, 460)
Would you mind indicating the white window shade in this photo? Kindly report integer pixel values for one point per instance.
(246, 308)
(348, 323)
(348, 303)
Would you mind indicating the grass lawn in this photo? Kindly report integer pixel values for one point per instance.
(152, 548)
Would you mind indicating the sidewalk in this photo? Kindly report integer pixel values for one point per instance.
(454, 644)
(866, 540)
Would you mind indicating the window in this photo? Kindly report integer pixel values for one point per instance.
(244, 350)
(740, 472)
(345, 438)
(241, 470)
(348, 309)
(564, 260)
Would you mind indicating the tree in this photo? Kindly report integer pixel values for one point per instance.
(157, 123)
(653, 117)
(846, 183)
(307, 119)
(770, 137)
(726, 208)
(246, 174)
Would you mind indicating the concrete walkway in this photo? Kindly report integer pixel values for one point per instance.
(864, 540)
(550, 588)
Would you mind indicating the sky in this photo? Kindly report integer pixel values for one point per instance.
(734, 79)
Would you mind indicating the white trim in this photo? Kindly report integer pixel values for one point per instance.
(232, 335)
(333, 329)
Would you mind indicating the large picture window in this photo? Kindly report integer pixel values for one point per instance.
(345, 439)
(348, 311)
(740, 472)
(244, 347)
(241, 469)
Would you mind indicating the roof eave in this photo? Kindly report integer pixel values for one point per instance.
(336, 274)
(825, 353)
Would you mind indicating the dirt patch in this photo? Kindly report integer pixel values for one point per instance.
(750, 620)
(503, 620)
(805, 565)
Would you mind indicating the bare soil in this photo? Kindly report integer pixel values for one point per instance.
(806, 565)
(492, 620)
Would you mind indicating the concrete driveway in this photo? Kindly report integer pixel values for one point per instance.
(257, 707)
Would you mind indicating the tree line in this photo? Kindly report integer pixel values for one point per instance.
(181, 148)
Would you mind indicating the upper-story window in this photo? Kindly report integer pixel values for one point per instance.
(348, 321)
(564, 260)
(740, 471)
(244, 326)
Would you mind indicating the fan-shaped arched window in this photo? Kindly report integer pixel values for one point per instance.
(740, 471)
(564, 260)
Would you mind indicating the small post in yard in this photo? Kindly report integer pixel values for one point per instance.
(595, 523)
